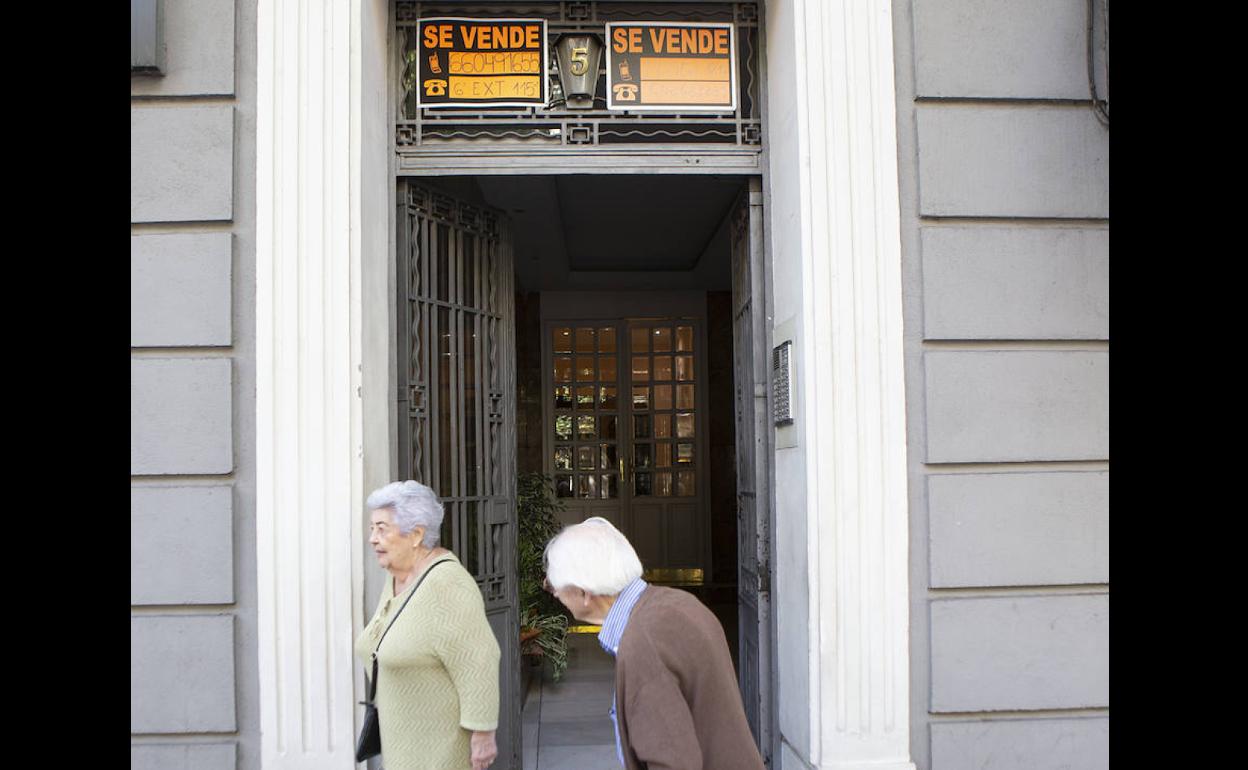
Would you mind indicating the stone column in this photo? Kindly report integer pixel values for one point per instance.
(308, 474)
(836, 246)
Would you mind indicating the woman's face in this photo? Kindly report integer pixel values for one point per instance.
(394, 549)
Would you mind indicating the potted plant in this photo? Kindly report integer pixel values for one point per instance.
(543, 622)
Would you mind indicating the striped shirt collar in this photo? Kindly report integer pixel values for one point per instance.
(617, 617)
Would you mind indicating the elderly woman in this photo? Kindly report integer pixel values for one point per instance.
(437, 680)
(676, 701)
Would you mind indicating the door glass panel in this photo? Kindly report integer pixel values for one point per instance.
(641, 398)
(610, 487)
(594, 368)
(641, 484)
(684, 454)
(641, 455)
(606, 426)
(607, 454)
(663, 484)
(606, 339)
(585, 427)
(662, 396)
(684, 367)
(585, 397)
(606, 398)
(684, 339)
(563, 485)
(684, 425)
(663, 367)
(684, 484)
(663, 426)
(606, 369)
(584, 340)
(640, 337)
(641, 426)
(662, 340)
(684, 396)
(587, 486)
(641, 369)
(663, 454)
(585, 459)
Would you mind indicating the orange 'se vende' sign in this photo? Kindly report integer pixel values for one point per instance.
(484, 62)
(671, 66)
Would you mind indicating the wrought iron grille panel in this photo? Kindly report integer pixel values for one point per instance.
(753, 427)
(455, 435)
(555, 128)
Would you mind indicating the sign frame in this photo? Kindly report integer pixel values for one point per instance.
(733, 66)
(544, 81)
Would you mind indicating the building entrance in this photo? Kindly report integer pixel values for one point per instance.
(537, 333)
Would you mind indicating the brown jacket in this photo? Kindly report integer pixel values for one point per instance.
(678, 706)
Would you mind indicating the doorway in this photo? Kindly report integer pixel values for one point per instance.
(623, 355)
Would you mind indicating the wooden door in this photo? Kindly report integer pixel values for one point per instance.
(750, 363)
(457, 408)
(664, 447)
(585, 409)
(625, 432)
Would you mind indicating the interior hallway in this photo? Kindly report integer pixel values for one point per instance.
(566, 725)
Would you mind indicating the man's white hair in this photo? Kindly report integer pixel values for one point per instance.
(592, 555)
(413, 505)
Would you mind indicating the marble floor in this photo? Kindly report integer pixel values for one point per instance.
(566, 724)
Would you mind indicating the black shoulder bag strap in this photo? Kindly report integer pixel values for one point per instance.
(372, 682)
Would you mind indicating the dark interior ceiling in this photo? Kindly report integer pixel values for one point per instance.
(626, 231)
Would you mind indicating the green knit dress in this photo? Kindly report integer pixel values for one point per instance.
(437, 677)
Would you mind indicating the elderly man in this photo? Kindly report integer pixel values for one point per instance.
(676, 701)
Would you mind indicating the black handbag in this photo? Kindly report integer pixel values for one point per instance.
(369, 743)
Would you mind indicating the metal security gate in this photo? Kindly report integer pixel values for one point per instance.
(750, 358)
(457, 430)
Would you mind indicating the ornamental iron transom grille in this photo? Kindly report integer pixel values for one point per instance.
(555, 128)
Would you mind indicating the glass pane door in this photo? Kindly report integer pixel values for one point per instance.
(585, 396)
(663, 402)
(664, 448)
(623, 433)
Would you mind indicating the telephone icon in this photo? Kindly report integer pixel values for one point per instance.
(625, 92)
(435, 88)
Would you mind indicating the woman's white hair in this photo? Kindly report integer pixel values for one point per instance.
(413, 505)
(593, 556)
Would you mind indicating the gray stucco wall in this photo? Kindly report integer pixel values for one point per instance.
(193, 662)
(1004, 173)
